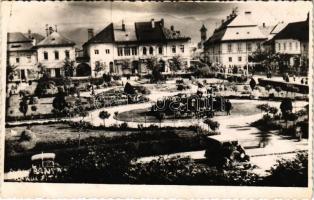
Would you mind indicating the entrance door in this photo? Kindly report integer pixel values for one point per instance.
(23, 76)
(58, 72)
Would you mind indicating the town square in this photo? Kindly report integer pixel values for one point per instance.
(158, 93)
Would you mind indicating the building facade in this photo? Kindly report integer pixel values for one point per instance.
(22, 55)
(121, 49)
(293, 40)
(233, 41)
(53, 51)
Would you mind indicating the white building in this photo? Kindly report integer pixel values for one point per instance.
(22, 56)
(293, 40)
(53, 51)
(233, 41)
(125, 49)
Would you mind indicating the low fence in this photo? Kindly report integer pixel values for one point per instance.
(286, 86)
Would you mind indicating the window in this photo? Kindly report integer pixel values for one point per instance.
(239, 58)
(182, 48)
(249, 47)
(96, 51)
(67, 54)
(126, 51)
(279, 47)
(290, 45)
(17, 60)
(230, 59)
(296, 45)
(120, 51)
(239, 47)
(46, 55)
(107, 51)
(229, 47)
(144, 50)
(284, 46)
(134, 51)
(174, 49)
(151, 50)
(160, 50)
(56, 55)
(29, 59)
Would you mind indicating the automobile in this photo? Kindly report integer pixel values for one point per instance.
(43, 160)
(225, 153)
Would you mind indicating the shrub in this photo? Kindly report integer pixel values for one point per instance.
(124, 125)
(292, 173)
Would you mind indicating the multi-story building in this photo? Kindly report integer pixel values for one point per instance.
(293, 40)
(22, 56)
(234, 40)
(52, 52)
(125, 49)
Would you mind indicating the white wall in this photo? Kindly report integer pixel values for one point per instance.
(287, 46)
(52, 62)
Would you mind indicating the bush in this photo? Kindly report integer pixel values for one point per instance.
(289, 173)
(27, 135)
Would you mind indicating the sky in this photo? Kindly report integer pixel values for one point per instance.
(74, 18)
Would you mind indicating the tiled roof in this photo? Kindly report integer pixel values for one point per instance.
(127, 35)
(141, 32)
(22, 46)
(36, 36)
(236, 27)
(296, 30)
(146, 33)
(55, 39)
(17, 37)
(104, 36)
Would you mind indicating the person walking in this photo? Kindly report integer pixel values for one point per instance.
(228, 107)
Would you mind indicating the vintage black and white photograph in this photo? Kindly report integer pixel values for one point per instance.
(158, 93)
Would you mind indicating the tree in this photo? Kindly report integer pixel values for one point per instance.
(286, 108)
(175, 63)
(24, 106)
(104, 115)
(59, 102)
(68, 67)
(10, 72)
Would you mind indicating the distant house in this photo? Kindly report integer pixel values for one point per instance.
(53, 50)
(293, 40)
(22, 56)
(234, 40)
(121, 49)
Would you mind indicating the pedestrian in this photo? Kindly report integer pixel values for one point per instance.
(228, 107)
(302, 81)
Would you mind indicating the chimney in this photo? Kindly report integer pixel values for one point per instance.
(29, 34)
(47, 31)
(247, 12)
(162, 22)
(153, 23)
(90, 33)
(264, 25)
(172, 27)
(123, 25)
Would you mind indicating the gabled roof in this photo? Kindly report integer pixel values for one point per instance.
(146, 33)
(17, 37)
(236, 27)
(295, 30)
(104, 36)
(55, 39)
(127, 35)
(141, 32)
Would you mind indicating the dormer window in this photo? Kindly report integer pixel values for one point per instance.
(15, 45)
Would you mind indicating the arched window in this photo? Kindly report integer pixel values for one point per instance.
(151, 50)
(144, 50)
(160, 50)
